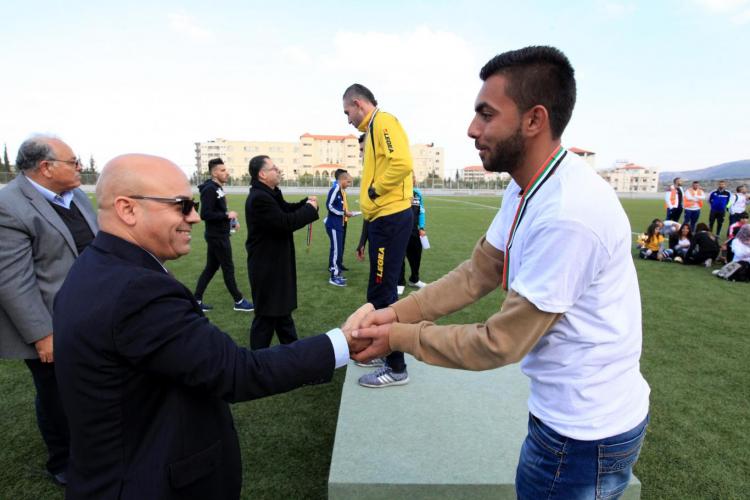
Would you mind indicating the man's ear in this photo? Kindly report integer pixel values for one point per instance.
(126, 210)
(535, 121)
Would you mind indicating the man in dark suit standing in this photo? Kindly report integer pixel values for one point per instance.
(45, 222)
(271, 262)
(144, 377)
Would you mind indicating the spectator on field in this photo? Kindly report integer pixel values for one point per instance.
(733, 230)
(681, 242)
(673, 199)
(705, 247)
(694, 197)
(718, 200)
(414, 247)
(668, 227)
(651, 244)
(737, 204)
(741, 245)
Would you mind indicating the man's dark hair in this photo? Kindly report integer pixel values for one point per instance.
(537, 75)
(256, 164)
(743, 215)
(359, 91)
(339, 172)
(214, 162)
(740, 187)
(32, 151)
(674, 181)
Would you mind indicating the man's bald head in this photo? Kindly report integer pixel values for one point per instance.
(136, 194)
(130, 174)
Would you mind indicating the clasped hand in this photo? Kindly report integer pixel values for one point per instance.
(368, 332)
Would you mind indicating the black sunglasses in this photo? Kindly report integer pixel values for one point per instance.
(186, 204)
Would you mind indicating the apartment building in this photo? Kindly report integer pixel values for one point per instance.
(314, 155)
(631, 178)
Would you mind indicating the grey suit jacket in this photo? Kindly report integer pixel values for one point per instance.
(36, 252)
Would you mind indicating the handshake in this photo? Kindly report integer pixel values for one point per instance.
(368, 331)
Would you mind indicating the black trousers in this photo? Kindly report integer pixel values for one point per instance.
(50, 416)
(715, 217)
(414, 256)
(674, 214)
(261, 331)
(218, 254)
(388, 237)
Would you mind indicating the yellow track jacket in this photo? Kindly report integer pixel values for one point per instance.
(388, 167)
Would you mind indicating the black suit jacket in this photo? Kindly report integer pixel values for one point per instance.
(145, 380)
(271, 261)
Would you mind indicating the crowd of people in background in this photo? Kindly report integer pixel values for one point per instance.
(696, 243)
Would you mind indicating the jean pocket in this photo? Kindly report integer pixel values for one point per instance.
(616, 463)
(545, 437)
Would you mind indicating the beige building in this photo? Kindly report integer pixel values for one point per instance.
(630, 178)
(428, 159)
(588, 156)
(316, 155)
(477, 173)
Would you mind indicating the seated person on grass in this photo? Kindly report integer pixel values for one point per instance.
(651, 244)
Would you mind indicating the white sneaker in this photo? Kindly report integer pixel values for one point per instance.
(400, 289)
(418, 284)
(708, 263)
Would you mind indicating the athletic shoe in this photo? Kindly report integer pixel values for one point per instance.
(373, 363)
(383, 378)
(243, 306)
(205, 307)
(337, 281)
(343, 267)
(678, 259)
(708, 263)
(400, 289)
(418, 284)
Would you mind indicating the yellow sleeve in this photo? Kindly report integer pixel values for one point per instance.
(394, 145)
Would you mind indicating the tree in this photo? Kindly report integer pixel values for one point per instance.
(92, 164)
(6, 162)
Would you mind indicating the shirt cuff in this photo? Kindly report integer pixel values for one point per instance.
(340, 346)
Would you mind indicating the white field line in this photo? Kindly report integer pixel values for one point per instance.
(464, 202)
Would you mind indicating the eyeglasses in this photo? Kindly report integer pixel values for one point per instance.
(186, 204)
(76, 162)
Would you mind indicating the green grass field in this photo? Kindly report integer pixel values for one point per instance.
(695, 352)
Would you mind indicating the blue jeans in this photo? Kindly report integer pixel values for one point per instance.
(552, 466)
(691, 218)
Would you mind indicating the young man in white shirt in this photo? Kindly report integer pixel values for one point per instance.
(572, 313)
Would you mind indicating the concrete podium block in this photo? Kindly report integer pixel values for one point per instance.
(448, 434)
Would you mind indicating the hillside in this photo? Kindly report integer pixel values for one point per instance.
(732, 170)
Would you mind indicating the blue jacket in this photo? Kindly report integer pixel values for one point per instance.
(719, 200)
(335, 205)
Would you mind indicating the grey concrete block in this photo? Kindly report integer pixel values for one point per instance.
(448, 434)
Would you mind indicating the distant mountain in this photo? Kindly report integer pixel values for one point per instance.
(732, 170)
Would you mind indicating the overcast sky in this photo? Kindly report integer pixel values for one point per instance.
(664, 84)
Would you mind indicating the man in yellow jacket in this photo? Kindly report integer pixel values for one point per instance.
(385, 199)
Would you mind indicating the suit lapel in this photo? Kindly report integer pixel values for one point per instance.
(45, 210)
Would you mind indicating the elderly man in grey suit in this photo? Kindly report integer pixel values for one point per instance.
(45, 223)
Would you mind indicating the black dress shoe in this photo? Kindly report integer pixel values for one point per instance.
(60, 479)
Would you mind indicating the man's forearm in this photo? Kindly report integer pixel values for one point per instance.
(505, 338)
(467, 283)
